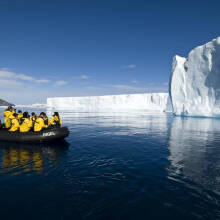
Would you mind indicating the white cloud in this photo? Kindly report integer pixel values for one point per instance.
(42, 81)
(134, 81)
(82, 76)
(92, 87)
(165, 83)
(130, 88)
(129, 66)
(61, 83)
(10, 83)
(7, 74)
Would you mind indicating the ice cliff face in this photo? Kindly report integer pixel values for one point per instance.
(195, 81)
(150, 102)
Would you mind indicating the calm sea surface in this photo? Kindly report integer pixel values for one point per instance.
(116, 166)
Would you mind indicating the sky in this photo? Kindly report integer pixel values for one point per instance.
(51, 48)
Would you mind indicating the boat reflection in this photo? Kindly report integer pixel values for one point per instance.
(19, 158)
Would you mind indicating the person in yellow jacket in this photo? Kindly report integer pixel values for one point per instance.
(25, 123)
(33, 117)
(7, 113)
(14, 123)
(39, 124)
(20, 115)
(55, 120)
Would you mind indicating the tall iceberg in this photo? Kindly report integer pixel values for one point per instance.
(195, 81)
(147, 101)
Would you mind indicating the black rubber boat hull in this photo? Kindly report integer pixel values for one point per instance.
(47, 135)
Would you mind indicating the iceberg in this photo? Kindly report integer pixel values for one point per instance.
(194, 86)
(36, 105)
(147, 101)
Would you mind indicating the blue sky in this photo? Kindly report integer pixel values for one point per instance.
(90, 47)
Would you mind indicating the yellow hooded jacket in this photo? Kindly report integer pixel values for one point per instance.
(7, 114)
(26, 125)
(20, 115)
(14, 124)
(55, 120)
(39, 124)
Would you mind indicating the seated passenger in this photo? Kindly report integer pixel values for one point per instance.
(33, 117)
(55, 120)
(20, 115)
(39, 124)
(14, 123)
(46, 120)
(7, 113)
(25, 123)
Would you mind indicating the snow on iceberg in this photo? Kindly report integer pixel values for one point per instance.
(150, 102)
(195, 81)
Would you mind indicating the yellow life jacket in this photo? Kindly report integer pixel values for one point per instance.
(56, 121)
(39, 124)
(26, 125)
(20, 115)
(7, 123)
(14, 124)
(7, 115)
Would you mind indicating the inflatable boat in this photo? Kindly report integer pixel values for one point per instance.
(48, 135)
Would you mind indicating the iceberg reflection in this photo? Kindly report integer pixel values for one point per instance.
(118, 123)
(194, 154)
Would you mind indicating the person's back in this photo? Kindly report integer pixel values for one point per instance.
(33, 117)
(7, 122)
(14, 123)
(7, 113)
(46, 120)
(25, 123)
(20, 115)
(39, 124)
(55, 120)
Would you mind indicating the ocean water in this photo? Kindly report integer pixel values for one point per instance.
(122, 165)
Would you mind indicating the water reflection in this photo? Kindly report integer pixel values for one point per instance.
(17, 158)
(168, 164)
(117, 123)
(194, 151)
